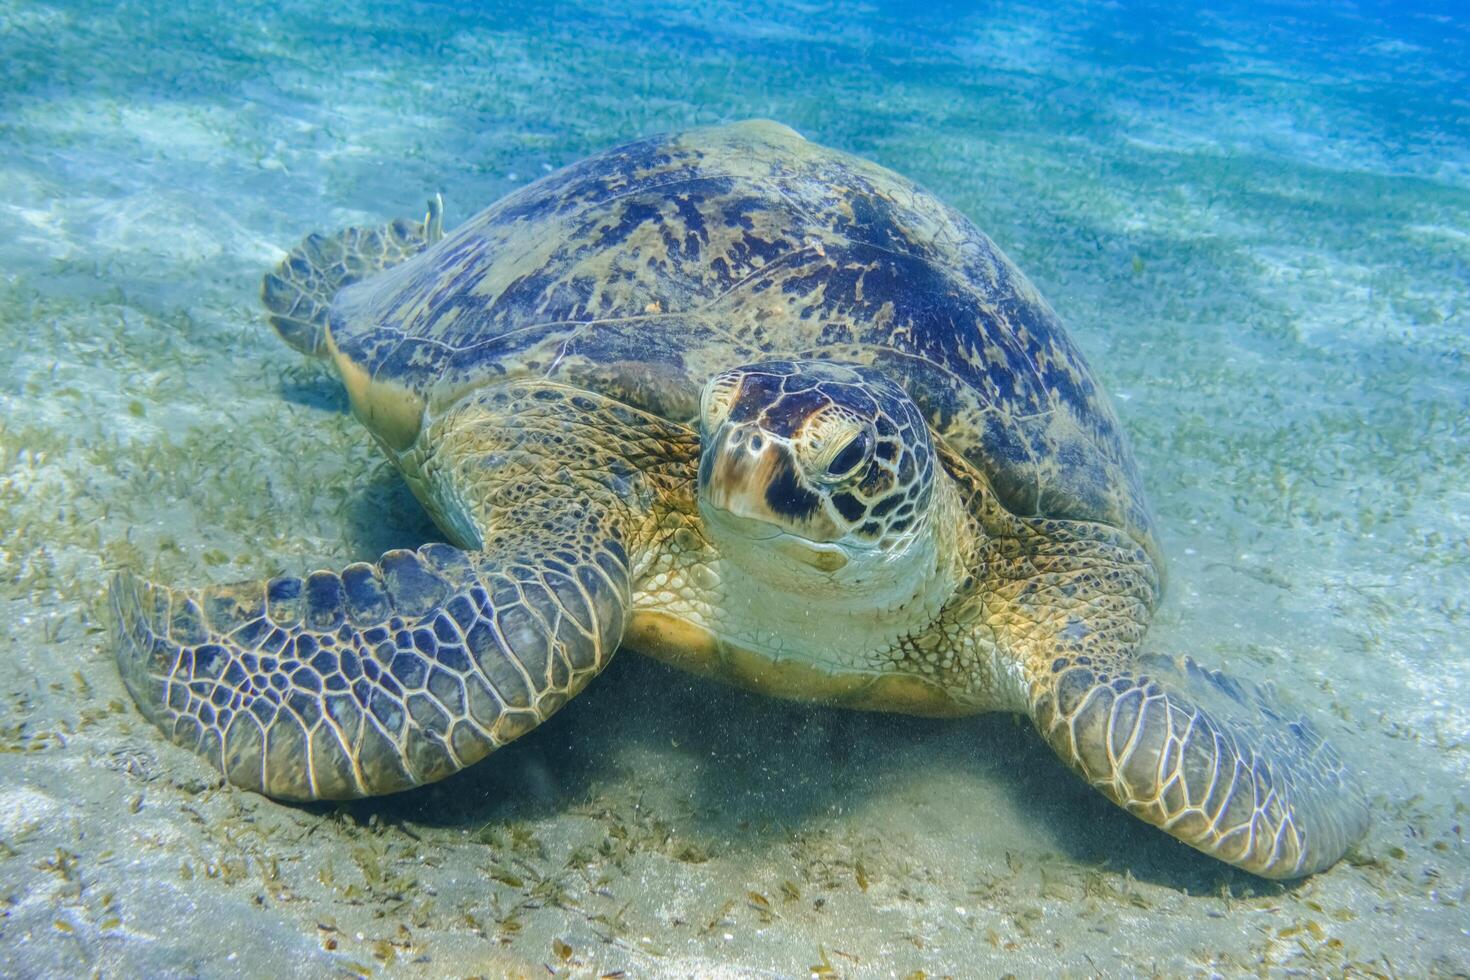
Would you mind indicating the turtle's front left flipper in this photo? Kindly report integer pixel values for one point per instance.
(1213, 762)
(382, 677)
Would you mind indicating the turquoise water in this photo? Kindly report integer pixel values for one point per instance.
(1255, 220)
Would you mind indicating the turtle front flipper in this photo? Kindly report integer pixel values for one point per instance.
(380, 678)
(1215, 763)
(299, 291)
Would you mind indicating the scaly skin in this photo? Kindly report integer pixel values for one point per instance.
(392, 675)
(1212, 762)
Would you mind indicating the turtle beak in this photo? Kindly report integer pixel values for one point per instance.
(733, 466)
(750, 481)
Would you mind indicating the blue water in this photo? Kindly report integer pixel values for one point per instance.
(1255, 219)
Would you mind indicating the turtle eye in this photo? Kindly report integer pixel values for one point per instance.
(849, 458)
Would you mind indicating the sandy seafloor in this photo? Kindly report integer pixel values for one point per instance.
(1256, 221)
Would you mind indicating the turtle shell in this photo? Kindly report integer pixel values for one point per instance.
(644, 270)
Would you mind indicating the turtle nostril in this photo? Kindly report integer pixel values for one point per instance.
(757, 444)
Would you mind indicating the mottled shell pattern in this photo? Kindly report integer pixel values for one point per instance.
(644, 271)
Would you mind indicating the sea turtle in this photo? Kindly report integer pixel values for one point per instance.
(754, 407)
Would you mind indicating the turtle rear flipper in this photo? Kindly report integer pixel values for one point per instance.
(381, 678)
(1213, 762)
(299, 291)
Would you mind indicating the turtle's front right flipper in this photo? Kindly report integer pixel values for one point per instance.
(1214, 762)
(378, 679)
(299, 291)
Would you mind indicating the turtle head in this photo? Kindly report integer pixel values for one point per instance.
(813, 473)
